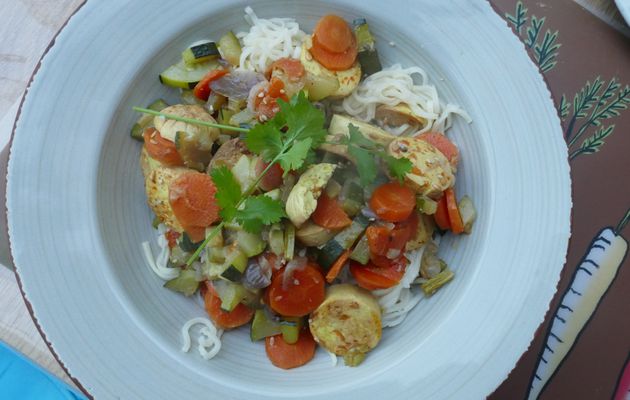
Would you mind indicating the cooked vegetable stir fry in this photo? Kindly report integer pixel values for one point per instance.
(287, 213)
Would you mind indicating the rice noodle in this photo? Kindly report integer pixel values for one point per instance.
(395, 85)
(397, 301)
(268, 40)
(159, 265)
(209, 339)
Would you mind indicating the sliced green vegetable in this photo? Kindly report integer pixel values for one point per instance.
(426, 205)
(156, 222)
(235, 264)
(182, 76)
(263, 327)
(289, 241)
(352, 197)
(199, 53)
(224, 119)
(290, 328)
(186, 244)
(178, 256)
(342, 242)
(276, 239)
(432, 285)
(195, 154)
(189, 98)
(361, 252)
(468, 213)
(230, 48)
(146, 120)
(333, 188)
(185, 283)
(230, 293)
(251, 244)
(368, 55)
(320, 86)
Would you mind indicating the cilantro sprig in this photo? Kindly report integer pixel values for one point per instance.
(363, 151)
(288, 139)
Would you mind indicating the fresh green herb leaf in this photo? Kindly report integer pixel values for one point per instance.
(303, 120)
(293, 158)
(356, 138)
(265, 140)
(398, 167)
(258, 211)
(228, 192)
(366, 164)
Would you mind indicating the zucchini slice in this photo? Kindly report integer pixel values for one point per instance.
(342, 242)
(368, 55)
(235, 264)
(200, 52)
(185, 283)
(230, 48)
(186, 77)
(146, 120)
(263, 326)
(230, 293)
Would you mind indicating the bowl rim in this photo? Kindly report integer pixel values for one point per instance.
(29, 306)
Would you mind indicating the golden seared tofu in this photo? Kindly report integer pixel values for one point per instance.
(157, 180)
(302, 200)
(431, 173)
(346, 80)
(348, 322)
(169, 127)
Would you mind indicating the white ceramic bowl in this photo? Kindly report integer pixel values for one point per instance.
(77, 212)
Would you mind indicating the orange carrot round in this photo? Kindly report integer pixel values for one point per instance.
(372, 277)
(329, 214)
(334, 61)
(191, 196)
(303, 293)
(225, 320)
(287, 356)
(393, 202)
(161, 149)
(333, 33)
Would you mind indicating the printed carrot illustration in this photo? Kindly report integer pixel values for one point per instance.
(591, 280)
(623, 385)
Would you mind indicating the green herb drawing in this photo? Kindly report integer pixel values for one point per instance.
(545, 49)
(595, 103)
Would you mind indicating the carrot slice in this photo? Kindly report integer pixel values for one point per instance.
(303, 293)
(336, 267)
(191, 196)
(272, 179)
(293, 68)
(329, 214)
(287, 356)
(334, 61)
(226, 320)
(372, 277)
(161, 149)
(457, 226)
(202, 89)
(441, 215)
(333, 33)
(393, 202)
(443, 144)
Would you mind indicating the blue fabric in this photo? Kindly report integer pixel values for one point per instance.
(20, 379)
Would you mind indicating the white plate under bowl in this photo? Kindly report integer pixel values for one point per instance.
(624, 9)
(77, 212)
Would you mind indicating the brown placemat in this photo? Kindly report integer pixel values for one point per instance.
(587, 67)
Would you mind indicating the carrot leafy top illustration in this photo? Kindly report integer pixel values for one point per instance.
(545, 49)
(592, 106)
